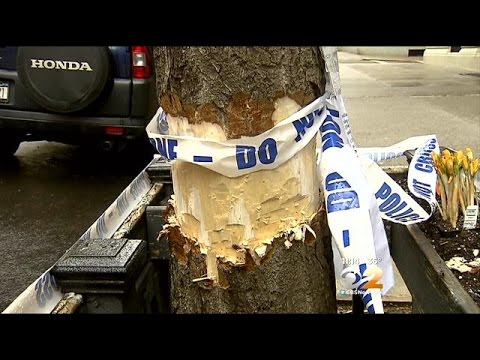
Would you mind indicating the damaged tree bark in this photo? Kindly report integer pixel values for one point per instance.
(258, 242)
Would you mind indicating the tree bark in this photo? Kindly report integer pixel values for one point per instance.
(244, 244)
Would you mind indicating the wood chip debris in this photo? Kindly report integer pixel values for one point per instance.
(68, 304)
(460, 264)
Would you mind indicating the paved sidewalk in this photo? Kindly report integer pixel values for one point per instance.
(390, 99)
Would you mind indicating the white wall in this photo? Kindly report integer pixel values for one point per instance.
(379, 50)
(468, 58)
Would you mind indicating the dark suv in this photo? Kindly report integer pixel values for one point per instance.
(96, 95)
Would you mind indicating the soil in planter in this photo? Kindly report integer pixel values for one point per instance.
(450, 242)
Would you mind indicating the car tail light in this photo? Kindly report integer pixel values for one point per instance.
(112, 130)
(141, 65)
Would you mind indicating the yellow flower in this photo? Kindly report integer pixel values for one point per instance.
(436, 161)
(474, 167)
(465, 163)
(449, 167)
(443, 165)
(469, 154)
(457, 160)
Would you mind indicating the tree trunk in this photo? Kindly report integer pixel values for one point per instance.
(244, 244)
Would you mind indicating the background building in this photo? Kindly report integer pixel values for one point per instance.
(467, 57)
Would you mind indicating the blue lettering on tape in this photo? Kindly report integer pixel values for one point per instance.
(392, 199)
(198, 158)
(329, 124)
(122, 203)
(384, 191)
(423, 167)
(333, 112)
(367, 297)
(101, 226)
(425, 161)
(422, 188)
(390, 203)
(44, 288)
(334, 181)
(398, 208)
(391, 155)
(165, 147)
(331, 140)
(344, 199)
(172, 144)
(160, 146)
(300, 127)
(330, 134)
(267, 152)
(346, 238)
(245, 157)
(302, 123)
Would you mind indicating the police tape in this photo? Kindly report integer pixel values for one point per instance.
(272, 148)
(358, 193)
(395, 150)
(352, 214)
(359, 190)
(348, 213)
(360, 247)
(394, 203)
(238, 157)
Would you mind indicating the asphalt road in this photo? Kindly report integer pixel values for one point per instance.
(50, 193)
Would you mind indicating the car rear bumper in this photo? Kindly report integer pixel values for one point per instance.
(62, 127)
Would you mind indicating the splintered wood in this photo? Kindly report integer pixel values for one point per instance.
(226, 217)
